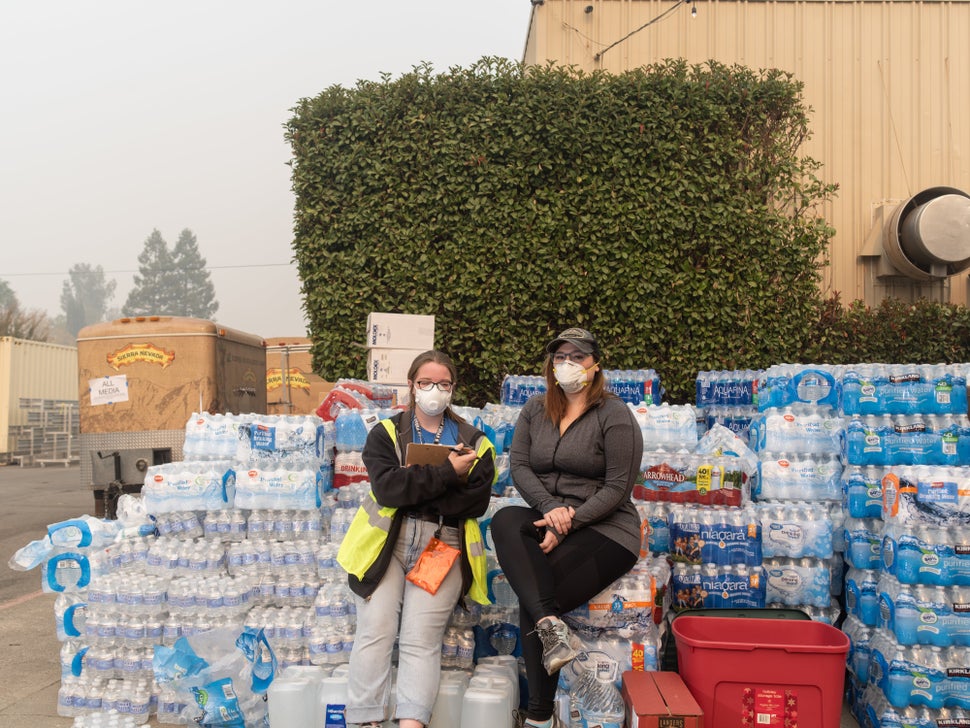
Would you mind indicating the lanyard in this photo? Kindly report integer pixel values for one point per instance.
(417, 430)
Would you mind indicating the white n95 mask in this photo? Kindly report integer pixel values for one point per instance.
(570, 376)
(433, 402)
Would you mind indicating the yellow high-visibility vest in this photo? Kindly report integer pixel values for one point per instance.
(371, 526)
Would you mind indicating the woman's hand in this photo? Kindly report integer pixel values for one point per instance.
(462, 461)
(559, 519)
(549, 539)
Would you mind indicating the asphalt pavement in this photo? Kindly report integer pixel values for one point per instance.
(30, 670)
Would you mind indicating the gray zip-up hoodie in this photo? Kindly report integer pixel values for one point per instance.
(591, 467)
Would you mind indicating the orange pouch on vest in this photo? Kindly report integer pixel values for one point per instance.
(433, 565)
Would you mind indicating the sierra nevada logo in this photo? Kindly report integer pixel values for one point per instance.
(140, 352)
(296, 378)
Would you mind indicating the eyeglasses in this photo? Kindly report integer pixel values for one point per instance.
(577, 357)
(426, 385)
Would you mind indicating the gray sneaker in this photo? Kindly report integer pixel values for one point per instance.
(559, 645)
(519, 720)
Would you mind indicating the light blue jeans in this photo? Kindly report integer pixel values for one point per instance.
(422, 619)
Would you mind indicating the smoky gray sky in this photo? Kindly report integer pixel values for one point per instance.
(118, 117)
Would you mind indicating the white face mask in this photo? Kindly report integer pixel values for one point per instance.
(432, 402)
(570, 376)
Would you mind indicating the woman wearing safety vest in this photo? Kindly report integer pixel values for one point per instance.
(575, 456)
(414, 548)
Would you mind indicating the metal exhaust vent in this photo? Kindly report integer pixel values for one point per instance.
(926, 238)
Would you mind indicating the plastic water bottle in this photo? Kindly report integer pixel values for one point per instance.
(350, 430)
(449, 648)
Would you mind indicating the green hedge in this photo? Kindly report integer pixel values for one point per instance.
(895, 332)
(666, 209)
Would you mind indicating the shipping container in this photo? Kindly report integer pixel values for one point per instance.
(139, 380)
(38, 401)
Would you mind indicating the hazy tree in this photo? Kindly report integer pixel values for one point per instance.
(20, 324)
(7, 296)
(85, 296)
(155, 291)
(196, 292)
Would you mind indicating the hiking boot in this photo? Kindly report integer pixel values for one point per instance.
(519, 720)
(559, 645)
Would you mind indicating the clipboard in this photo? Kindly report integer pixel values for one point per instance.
(418, 453)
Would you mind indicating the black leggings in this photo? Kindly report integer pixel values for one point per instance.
(579, 568)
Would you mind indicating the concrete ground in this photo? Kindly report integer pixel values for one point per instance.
(29, 651)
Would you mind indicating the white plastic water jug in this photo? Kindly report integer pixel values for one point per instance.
(447, 706)
(291, 702)
(332, 701)
(507, 663)
(333, 698)
(487, 702)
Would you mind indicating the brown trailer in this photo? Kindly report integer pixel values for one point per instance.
(139, 381)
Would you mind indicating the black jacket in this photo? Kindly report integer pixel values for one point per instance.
(431, 489)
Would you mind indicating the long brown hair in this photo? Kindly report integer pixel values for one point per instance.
(433, 356)
(556, 400)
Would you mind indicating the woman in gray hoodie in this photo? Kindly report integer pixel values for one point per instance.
(574, 460)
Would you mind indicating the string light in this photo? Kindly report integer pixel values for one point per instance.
(693, 10)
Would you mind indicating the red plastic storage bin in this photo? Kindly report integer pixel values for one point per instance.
(762, 673)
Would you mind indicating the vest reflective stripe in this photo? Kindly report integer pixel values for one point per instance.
(378, 516)
(365, 538)
(475, 551)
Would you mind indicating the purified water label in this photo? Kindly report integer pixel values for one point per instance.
(335, 717)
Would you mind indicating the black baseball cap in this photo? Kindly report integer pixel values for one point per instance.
(580, 338)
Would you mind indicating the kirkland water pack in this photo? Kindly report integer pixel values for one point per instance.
(863, 542)
(862, 490)
(926, 553)
(718, 535)
(907, 440)
(923, 614)
(859, 635)
(902, 389)
(920, 675)
(862, 595)
(795, 529)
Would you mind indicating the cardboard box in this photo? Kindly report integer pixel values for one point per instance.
(390, 366)
(659, 700)
(400, 331)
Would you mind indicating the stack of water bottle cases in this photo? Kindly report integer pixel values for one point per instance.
(751, 498)
(904, 456)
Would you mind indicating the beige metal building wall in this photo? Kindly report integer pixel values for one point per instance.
(888, 82)
(32, 370)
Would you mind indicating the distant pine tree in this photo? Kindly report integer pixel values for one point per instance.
(196, 292)
(156, 291)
